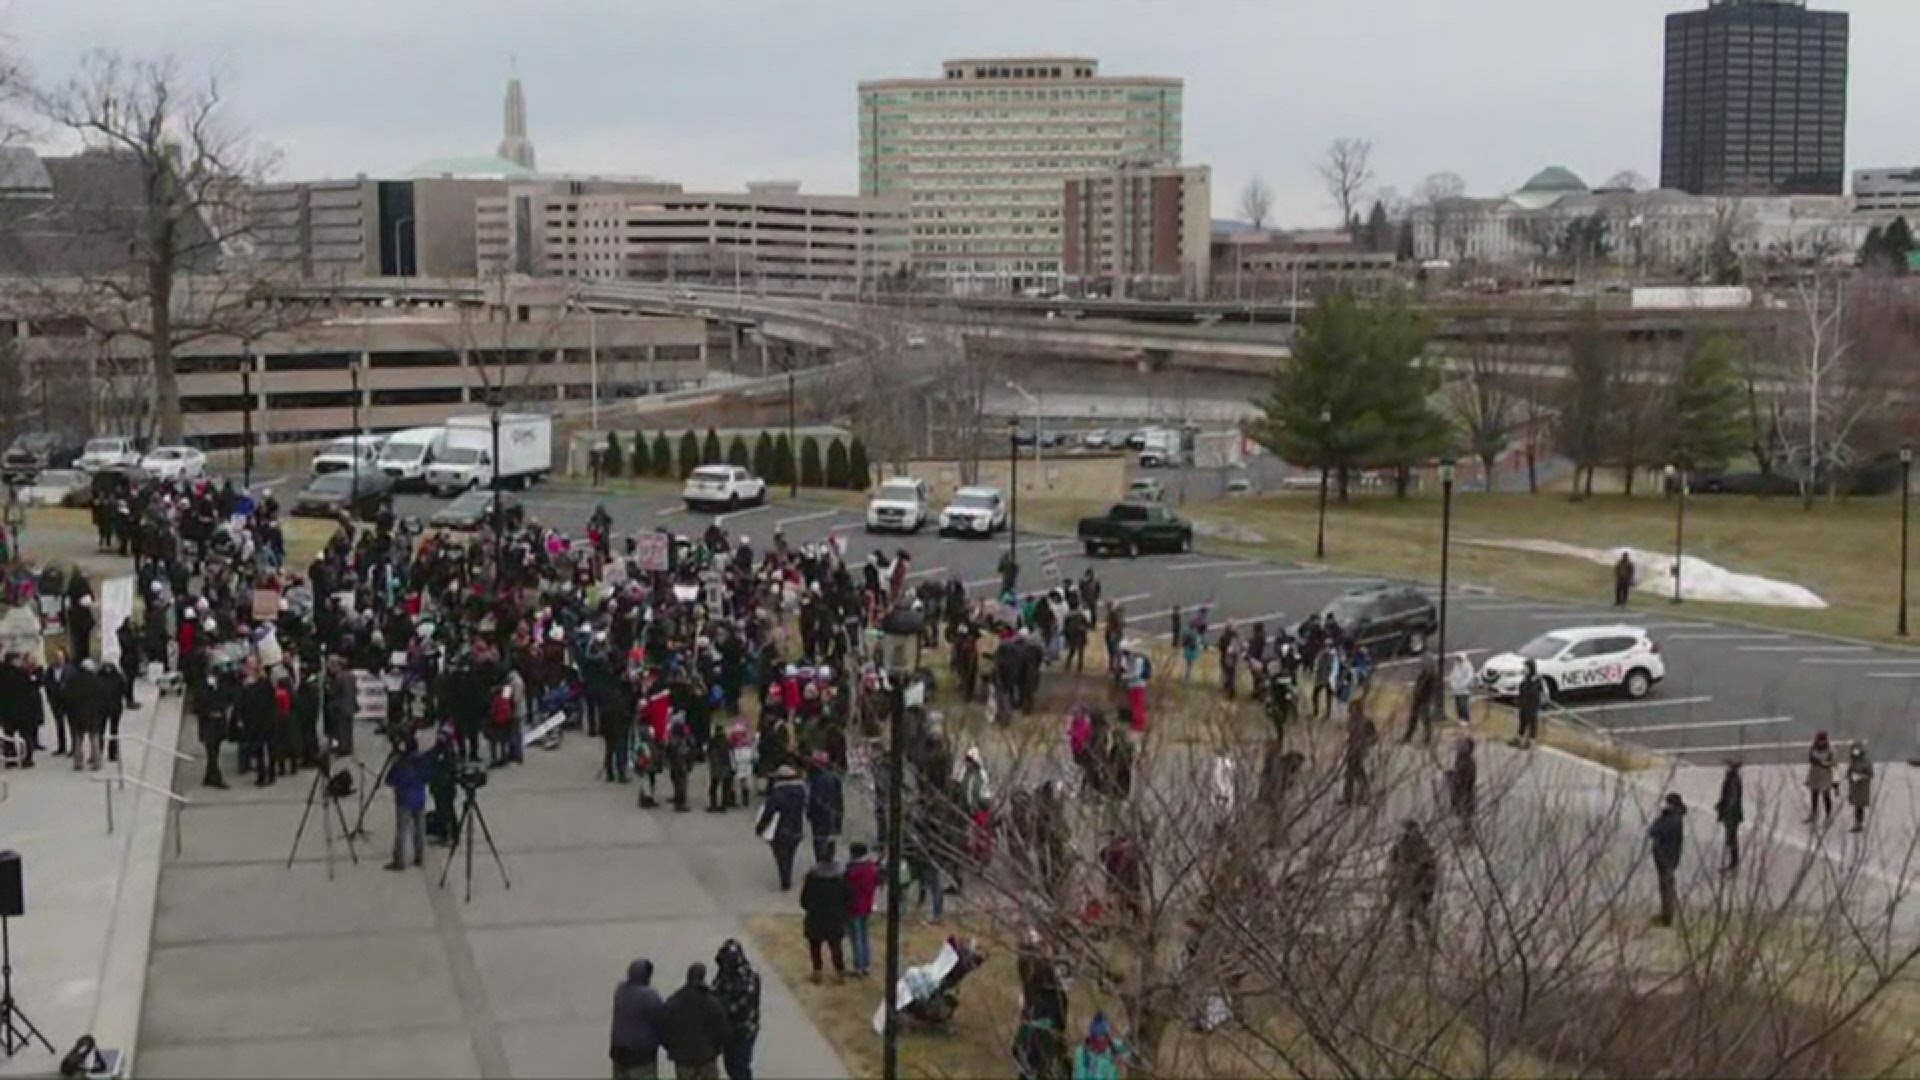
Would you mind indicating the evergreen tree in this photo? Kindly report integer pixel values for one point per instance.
(637, 464)
(1355, 393)
(810, 471)
(1403, 245)
(737, 453)
(1706, 419)
(662, 456)
(710, 448)
(688, 458)
(1379, 231)
(1588, 398)
(763, 466)
(612, 458)
(782, 459)
(836, 464)
(859, 470)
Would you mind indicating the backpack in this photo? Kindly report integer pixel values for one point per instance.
(1146, 668)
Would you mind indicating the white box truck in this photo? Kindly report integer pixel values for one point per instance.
(526, 453)
(408, 455)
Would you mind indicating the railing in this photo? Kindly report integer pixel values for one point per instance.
(120, 764)
(176, 802)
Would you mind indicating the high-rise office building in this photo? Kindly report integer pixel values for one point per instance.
(1756, 100)
(981, 155)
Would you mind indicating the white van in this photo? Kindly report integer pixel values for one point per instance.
(407, 455)
(339, 455)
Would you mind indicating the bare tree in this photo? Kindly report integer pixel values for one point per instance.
(1441, 195)
(1641, 420)
(191, 168)
(1626, 180)
(1484, 400)
(1256, 202)
(1851, 350)
(1346, 169)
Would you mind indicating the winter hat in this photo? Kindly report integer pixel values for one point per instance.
(1100, 1028)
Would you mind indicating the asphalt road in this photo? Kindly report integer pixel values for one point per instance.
(1729, 689)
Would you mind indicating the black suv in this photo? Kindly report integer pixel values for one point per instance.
(1387, 619)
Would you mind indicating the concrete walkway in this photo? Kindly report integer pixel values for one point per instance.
(259, 970)
(80, 952)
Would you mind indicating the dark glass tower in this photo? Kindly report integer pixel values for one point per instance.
(1756, 100)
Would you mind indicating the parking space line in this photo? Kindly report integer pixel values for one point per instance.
(1727, 637)
(816, 516)
(1417, 659)
(670, 511)
(1701, 725)
(1676, 626)
(1893, 674)
(1244, 574)
(1737, 748)
(1219, 565)
(1131, 598)
(1806, 648)
(1854, 661)
(1544, 615)
(1645, 703)
(928, 572)
(723, 519)
(848, 526)
(1505, 605)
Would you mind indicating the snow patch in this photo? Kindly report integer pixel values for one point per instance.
(1699, 579)
(1220, 530)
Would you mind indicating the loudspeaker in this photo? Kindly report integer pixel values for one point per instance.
(13, 893)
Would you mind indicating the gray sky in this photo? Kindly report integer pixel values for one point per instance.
(717, 92)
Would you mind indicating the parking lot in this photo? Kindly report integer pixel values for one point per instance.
(1730, 689)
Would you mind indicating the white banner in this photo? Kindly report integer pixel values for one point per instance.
(651, 550)
(116, 607)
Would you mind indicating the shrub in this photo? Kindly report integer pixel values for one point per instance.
(810, 472)
(662, 456)
(836, 464)
(689, 457)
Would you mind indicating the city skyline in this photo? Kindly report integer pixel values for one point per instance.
(649, 89)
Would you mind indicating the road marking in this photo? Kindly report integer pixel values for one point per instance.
(672, 511)
(1738, 747)
(1271, 573)
(1647, 703)
(735, 514)
(1675, 626)
(1726, 637)
(928, 572)
(1507, 605)
(977, 582)
(845, 527)
(784, 522)
(1893, 674)
(1417, 659)
(1544, 615)
(1854, 660)
(1701, 725)
(1205, 566)
(1806, 648)
(1131, 598)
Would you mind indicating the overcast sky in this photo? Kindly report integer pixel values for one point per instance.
(717, 92)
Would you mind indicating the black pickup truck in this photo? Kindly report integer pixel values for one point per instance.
(35, 451)
(1130, 528)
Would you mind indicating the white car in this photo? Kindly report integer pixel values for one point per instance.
(1096, 439)
(1581, 658)
(174, 463)
(727, 486)
(974, 511)
(109, 453)
(901, 504)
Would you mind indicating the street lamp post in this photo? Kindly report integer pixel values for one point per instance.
(1906, 501)
(354, 373)
(246, 419)
(1320, 537)
(901, 640)
(1446, 544)
(1677, 476)
(1013, 489)
(493, 481)
(793, 441)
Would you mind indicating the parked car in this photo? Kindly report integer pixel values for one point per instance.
(1387, 619)
(1146, 490)
(33, 451)
(1096, 439)
(341, 454)
(469, 509)
(725, 486)
(1136, 439)
(974, 511)
(174, 463)
(1239, 485)
(1130, 528)
(1581, 658)
(361, 496)
(110, 453)
(901, 504)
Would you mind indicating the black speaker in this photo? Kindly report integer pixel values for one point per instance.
(13, 891)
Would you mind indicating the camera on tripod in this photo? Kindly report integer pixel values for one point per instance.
(471, 776)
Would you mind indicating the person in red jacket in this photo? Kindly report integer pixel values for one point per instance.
(863, 881)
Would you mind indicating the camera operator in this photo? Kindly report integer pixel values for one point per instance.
(408, 779)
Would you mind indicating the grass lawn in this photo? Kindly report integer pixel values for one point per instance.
(1848, 553)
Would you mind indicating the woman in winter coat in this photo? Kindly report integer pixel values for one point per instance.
(1820, 782)
(824, 898)
(1859, 784)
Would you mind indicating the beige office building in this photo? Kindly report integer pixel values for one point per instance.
(981, 154)
(1138, 231)
(772, 237)
(418, 227)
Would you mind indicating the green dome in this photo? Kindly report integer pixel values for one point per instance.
(484, 167)
(1555, 179)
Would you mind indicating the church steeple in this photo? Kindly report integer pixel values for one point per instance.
(515, 146)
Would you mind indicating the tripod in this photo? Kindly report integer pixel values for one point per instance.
(319, 793)
(12, 1019)
(463, 837)
(359, 830)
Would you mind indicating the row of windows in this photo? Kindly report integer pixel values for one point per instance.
(1064, 93)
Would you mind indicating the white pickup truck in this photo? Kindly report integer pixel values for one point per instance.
(110, 453)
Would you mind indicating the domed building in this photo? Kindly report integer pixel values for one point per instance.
(1548, 187)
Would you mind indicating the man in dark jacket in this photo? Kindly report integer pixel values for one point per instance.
(1413, 873)
(693, 1028)
(256, 711)
(1529, 700)
(826, 806)
(86, 713)
(738, 987)
(1666, 836)
(1730, 810)
(211, 705)
(823, 898)
(634, 1044)
(785, 814)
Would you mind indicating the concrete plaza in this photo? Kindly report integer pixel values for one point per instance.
(261, 970)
